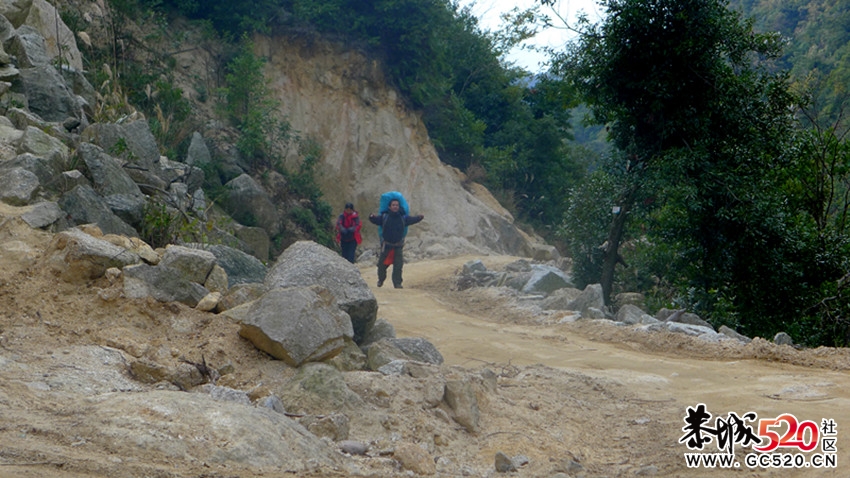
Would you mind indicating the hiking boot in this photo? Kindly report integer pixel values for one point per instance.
(398, 286)
(380, 282)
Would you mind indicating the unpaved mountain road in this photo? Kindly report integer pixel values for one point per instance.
(584, 399)
(659, 368)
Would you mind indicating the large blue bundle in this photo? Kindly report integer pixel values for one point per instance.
(386, 198)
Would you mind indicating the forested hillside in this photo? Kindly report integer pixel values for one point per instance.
(727, 188)
(818, 50)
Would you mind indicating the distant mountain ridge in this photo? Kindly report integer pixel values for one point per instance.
(819, 43)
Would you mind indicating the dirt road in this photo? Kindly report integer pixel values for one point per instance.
(581, 398)
(665, 368)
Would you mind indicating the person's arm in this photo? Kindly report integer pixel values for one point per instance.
(376, 220)
(408, 220)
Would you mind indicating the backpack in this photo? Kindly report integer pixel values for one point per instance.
(386, 198)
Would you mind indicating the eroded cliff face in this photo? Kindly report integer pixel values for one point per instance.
(372, 143)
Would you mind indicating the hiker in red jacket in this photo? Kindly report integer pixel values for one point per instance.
(348, 232)
(393, 221)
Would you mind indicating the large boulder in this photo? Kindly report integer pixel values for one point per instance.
(75, 255)
(305, 263)
(251, 205)
(85, 206)
(590, 298)
(193, 264)
(545, 280)
(18, 186)
(59, 39)
(134, 144)
(297, 325)
(163, 283)
(241, 268)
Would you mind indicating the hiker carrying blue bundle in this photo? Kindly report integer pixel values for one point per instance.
(392, 225)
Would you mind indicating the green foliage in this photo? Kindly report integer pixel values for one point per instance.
(733, 208)
(818, 46)
(584, 230)
(160, 224)
(302, 182)
(250, 106)
(307, 220)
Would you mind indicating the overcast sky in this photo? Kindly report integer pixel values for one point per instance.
(488, 12)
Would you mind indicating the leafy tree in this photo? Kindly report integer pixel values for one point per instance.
(688, 105)
(250, 106)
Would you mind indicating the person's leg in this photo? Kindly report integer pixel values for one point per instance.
(382, 268)
(348, 250)
(398, 264)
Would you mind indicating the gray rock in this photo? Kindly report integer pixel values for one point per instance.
(503, 463)
(47, 94)
(272, 402)
(460, 397)
(335, 426)
(71, 179)
(593, 313)
(241, 268)
(383, 352)
(249, 204)
(225, 394)
(318, 389)
(306, 263)
(256, 436)
(629, 314)
(683, 317)
(130, 208)
(297, 324)
(46, 168)
(105, 172)
(545, 280)
(240, 294)
(396, 367)
(419, 349)
(688, 329)
(193, 264)
(520, 265)
(76, 255)
(163, 283)
(85, 206)
(473, 266)
(353, 447)
(783, 339)
(134, 144)
(733, 334)
(198, 154)
(42, 215)
(560, 299)
(29, 48)
(590, 297)
(382, 329)
(18, 187)
(37, 142)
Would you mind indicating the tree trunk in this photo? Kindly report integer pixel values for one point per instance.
(612, 245)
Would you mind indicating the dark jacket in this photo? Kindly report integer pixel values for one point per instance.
(392, 226)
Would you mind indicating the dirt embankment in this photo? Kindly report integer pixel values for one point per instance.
(584, 398)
